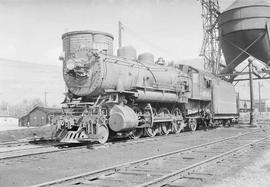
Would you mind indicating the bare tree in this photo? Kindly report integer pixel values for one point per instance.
(21, 108)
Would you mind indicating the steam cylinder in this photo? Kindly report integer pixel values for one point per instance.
(122, 118)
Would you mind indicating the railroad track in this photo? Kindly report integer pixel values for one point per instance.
(25, 144)
(26, 140)
(13, 143)
(8, 150)
(25, 149)
(165, 168)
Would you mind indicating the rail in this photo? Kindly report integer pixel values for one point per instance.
(65, 147)
(99, 175)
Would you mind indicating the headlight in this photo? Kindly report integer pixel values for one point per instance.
(70, 64)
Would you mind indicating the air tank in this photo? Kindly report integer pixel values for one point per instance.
(245, 26)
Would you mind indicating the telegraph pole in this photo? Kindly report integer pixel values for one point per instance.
(251, 92)
(120, 29)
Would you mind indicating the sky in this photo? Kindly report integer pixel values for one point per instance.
(31, 30)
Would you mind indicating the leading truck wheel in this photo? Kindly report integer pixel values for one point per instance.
(136, 133)
(192, 123)
(103, 134)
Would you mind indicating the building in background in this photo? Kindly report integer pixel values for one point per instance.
(260, 106)
(244, 105)
(267, 104)
(8, 120)
(39, 116)
(263, 106)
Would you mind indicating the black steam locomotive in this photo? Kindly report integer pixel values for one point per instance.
(125, 95)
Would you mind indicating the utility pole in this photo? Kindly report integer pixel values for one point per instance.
(45, 98)
(251, 92)
(120, 29)
(259, 86)
(8, 110)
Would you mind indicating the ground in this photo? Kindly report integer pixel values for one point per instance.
(24, 133)
(253, 174)
(251, 171)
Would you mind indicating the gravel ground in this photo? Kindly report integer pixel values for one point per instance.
(255, 173)
(42, 168)
(248, 168)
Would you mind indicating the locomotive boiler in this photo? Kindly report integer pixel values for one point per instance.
(125, 95)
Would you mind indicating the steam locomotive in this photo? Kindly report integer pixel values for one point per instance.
(128, 96)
